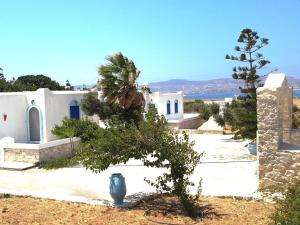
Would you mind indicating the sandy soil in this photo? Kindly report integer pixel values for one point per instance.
(162, 210)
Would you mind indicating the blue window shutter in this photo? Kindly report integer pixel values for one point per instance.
(168, 107)
(176, 106)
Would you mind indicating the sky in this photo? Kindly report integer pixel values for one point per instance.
(166, 39)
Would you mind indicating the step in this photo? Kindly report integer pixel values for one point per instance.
(16, 165)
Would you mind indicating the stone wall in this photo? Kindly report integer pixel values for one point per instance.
(278, 153)
(190, 123)
(295, 137)
(279, 168)
(38, 155)
(21, 155)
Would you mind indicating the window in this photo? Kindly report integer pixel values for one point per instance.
(176, 106)
(168, 107)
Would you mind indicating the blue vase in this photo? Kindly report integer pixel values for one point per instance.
(252, 149)
(117, 188)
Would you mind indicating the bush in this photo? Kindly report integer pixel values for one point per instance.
(288, 208)
(58, 163)
(296, 117)
(91, 105)
(198, 106)
(119, 142)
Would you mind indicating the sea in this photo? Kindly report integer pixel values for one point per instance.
(221, 95)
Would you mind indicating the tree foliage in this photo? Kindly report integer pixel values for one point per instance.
(241, 115)
(198, 106)
(118, 83)
(252, 60)
(66, 130)
(91, 105)
(29, 83)
(34, 82)
(119, 90)
(152, 142)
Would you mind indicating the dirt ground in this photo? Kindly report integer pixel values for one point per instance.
(162, 210)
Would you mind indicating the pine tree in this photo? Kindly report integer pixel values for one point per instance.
(249, 55)
(241, 115)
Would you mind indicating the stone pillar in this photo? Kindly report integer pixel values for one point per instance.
(274, 120)
(268, 130)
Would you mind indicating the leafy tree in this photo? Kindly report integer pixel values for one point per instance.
(118, 143)
(34, 82)
(198, 106)
(241, 114)
(119, 87)
(1, 74)
(3, 85)
(66, 130)
(91, 105)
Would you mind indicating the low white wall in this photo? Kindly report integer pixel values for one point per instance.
(38, 146)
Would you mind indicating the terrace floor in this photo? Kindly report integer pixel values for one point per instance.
(225, 171)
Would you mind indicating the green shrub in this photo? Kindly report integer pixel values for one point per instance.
(288, 208)
(58, 163)
(198, 106)
(119, 142)
(296, 117)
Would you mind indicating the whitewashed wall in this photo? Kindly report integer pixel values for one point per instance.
(57, 105)
(13, 105)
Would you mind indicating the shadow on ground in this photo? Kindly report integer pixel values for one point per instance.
(163, 209)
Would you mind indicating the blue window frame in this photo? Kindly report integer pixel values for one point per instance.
(168, 107)
(74, 110)
(176, 106)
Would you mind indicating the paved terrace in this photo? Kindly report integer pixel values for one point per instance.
(226, 171)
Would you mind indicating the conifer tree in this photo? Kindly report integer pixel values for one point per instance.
(252, 60)
(241, 115)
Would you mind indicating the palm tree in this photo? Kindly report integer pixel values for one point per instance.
(118, 83)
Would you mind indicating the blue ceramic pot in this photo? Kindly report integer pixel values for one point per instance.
(252, 149)
(117, 188)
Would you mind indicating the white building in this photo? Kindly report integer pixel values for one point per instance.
(27, 119)
(168, 104)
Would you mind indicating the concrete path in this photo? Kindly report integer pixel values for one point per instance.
(225, 172)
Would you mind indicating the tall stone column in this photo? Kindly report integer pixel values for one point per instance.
(268, 130)
(274, 120)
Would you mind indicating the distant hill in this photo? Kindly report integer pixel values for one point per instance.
(226, 85)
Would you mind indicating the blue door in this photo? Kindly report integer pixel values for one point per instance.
(74, 112)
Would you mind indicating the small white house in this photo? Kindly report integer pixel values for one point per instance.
(27, 119)
(168, 104)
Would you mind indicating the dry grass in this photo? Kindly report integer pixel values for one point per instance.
(296, 101)
(162, 210)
